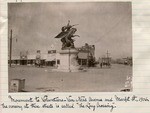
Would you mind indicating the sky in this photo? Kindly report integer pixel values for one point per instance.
(107, 25)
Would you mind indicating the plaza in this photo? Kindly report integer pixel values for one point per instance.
(94, 79)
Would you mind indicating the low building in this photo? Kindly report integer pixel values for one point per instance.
(16, 60)
(128, 61)
(51, 58)
(86, 55)
(31, 59)
(125, 61)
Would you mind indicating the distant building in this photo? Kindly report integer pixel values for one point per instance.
(31, 59)
(51, 58)
(15, 60)
(86, 55)
(125, 61)
(128, 61)
(105, 61)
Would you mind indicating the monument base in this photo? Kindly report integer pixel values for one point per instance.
(68, 61)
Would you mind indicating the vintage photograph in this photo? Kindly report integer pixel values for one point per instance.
(70, 47)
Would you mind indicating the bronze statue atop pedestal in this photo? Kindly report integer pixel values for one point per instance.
(66, 36)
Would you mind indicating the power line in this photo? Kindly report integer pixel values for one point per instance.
(113, 27)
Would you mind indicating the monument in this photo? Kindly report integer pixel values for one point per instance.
(68, 53)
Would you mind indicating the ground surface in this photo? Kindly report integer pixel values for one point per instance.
(93, 80)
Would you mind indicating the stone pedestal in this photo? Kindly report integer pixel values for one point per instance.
(68, 61)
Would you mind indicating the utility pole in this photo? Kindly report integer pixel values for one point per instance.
(108, 59)
(88, 59)
(10, 48)
(69, 61)
(107, 54)
(87, 47)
